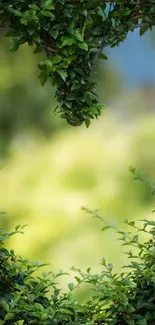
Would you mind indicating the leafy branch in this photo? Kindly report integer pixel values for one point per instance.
(72, 34)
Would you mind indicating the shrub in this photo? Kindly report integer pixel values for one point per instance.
(73, 33)
(126, 298)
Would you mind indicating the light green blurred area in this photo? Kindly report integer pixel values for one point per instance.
(52, 170)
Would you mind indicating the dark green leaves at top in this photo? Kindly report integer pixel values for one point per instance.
(75, 32)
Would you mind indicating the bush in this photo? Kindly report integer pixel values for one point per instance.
(126, 298)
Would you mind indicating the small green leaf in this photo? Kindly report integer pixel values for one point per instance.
(103, 261)
(20, 322)
(71, 286)
(102, 56)
(83, 46)
(5, 305)
(87, 122)
(43, 78)
(56, 59)
(78, 35)
(67, 41)
(105, 227)
(34, 7)
(110, 267)
(47, 13)
(9, 316)
(37, 50)
(47, 3)
(69, 297)
(14, 46)
(17, 227)
(54, 33)
(77, 279)
(63, 74)
(15, 12)
(142, 322)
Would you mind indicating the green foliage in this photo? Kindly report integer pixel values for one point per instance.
(128, 298)
(73, 33)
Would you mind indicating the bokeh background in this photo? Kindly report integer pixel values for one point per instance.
(49, 170)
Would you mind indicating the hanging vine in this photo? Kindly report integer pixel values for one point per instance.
(73, 33)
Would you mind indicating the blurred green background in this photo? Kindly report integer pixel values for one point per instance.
(50, 169)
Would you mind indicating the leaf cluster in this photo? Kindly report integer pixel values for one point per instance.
(126, 298)
(72, 33)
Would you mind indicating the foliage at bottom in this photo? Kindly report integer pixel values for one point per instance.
(126, 298)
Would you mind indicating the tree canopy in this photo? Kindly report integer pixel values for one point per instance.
(73, 34)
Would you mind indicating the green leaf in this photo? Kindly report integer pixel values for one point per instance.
(78, 35)
(106, 227)
(76, 86)
(43, 78)
(9, 316)
(17, 227)
(116, 13)
(14, 46)
(77, 279)
(126, 12)
(71, 286)
(35, 7)
(67, 41)
(110, 267)
(15, 12)
(102, 56)
(56, 59)
(37, 50)
(87, 122)
(103, 261)
(69, 297)
(142, 322)
(20, 322)
(63, 74)
(83, 46)
(47, 3)
(54, 33)
(47, 13)
(5, 305)
(142, 31)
